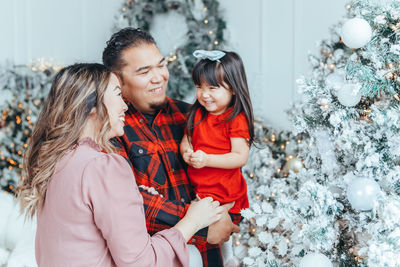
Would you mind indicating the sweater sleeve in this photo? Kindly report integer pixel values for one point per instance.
(110, 191)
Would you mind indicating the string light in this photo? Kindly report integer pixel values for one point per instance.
(348, 6)
(205, 21)
(216, 42)
(210, 32)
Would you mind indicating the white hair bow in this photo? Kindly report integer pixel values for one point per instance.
(213, 55)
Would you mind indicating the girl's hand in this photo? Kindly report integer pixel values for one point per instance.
(187, 155)
(204, 212)
(150, 190)
(198, 159)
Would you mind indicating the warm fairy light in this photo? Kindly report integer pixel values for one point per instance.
(216, 42)
(206, 21)
(298, 141)
(331, 66)
(390, 66)
(20, 105)
(287, 241)
(267, 199)
(10, 168)
(348, 6)
(271, 161)
(251, 175)
(266, 139)
(258, 197)
(205, 9)
(278, 170)
(253, 230)
(210, 32)
(123, 9)
(283, 146)
(273, 195)
(237, 243)
(395, 28)
(325, 51)
(18, 119)
(287, 142)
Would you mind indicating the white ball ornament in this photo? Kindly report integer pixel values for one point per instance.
(362, 193)
(315, 260)
(356, 33)
(349, 95)
(294, 164)
(334, 80)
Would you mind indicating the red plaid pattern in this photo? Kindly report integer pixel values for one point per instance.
(156, 162)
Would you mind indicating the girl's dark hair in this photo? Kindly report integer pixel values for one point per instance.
(229, 71)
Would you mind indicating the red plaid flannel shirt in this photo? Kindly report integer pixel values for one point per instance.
(156, 161)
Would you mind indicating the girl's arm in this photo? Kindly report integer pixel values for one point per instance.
(186, 149)
(235, 159)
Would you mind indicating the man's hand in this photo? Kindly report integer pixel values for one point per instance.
(150, 190)
(198, 159)
(220, 231)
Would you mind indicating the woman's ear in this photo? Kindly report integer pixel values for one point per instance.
(93, 112)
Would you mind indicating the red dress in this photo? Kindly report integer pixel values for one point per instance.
(212, 136)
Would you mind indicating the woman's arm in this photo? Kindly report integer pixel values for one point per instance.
(235, 159)
(110, 191)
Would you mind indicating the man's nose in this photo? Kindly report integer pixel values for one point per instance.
(157, 75)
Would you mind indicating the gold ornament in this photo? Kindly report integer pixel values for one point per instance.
(294, 164)
(391, 76)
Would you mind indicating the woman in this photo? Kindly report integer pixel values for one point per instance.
(89, 210)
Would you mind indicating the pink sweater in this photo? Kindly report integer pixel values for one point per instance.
(93, 215)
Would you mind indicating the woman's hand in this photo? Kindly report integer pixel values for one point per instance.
(204, 212)
(201, 213)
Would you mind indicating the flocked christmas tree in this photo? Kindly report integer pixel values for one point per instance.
(343, 207)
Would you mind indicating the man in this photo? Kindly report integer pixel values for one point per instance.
(154, 127)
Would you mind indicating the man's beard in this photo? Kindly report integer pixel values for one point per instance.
(160, 105)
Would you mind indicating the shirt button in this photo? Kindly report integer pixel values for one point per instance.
(141, 120)
(193, 240)
(182, 199)
(140, 151)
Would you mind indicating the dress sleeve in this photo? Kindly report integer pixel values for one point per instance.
(239, 127)
(110, 191)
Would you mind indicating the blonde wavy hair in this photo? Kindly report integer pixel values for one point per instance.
(75, 91)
